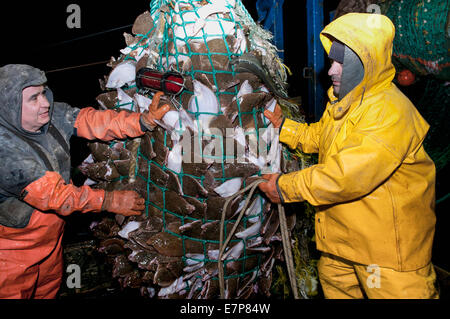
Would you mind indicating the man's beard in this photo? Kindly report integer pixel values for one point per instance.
(336, 88)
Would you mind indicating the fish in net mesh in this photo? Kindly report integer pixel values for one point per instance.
(211, 145)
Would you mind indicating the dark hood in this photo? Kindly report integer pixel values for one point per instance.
(13, 79)
(369, 38)
(352, 72)
(352, 67)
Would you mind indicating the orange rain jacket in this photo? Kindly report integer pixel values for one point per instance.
(33, 197)
(374, 184)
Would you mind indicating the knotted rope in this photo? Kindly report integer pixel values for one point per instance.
(284, 236)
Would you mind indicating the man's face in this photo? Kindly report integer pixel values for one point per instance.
(335, 73)
(35, 108)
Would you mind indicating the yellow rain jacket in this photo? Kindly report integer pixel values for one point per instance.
(374, 184)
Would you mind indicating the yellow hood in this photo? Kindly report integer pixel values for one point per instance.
(373, 186)
(370, 36)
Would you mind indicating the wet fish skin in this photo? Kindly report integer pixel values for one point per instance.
(138, 185)
(221, 122)
(227, 170)
(177, 204)
(192, 187)
(107, 100)
(246, 282)
(238, 266)
(142, 258)
(200, 208)
(162, 153)
(247, 292)
(143, 24)
(132, 280)
(289, 165)
(270, 226)
(157, 175)
(195, 169)
(149, 170)
(166, 244)
(141, 236)
(231, 286)
(215, 206)
(100, 171)
(210, 289)
(201, 169)
(204, 103)
(195, 289)
(101, 151)
(173, 183)
(156, 212)
(105, 229)
(147, 146)
(248, 62)
(163, 276)
(169, 245)
(119, 219)
(122, 166)
(153, 223)
(191, 229)
(121, 266)
(247, 103)
(159, 135)
(217, 50)
(111, 246)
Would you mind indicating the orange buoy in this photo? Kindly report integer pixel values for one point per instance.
(406, 77)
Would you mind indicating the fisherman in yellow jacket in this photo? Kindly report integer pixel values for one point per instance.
(374, 184)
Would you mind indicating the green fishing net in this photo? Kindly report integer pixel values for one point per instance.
(167, 46)
(422, 35)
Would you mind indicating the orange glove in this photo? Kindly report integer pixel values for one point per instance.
(126, 203)
(154, 113)
(51, 192)
(275, 117)
(107, 125)
(270, 188)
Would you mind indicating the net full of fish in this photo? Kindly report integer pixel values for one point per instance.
(183, 168)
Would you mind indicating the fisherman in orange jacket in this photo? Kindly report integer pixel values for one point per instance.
(35, 187)
(374, 184)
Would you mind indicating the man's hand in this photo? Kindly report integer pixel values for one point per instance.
(270, 188)
(275, 117)
(154, 113)
(126, 203)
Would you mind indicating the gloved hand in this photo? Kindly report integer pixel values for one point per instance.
(50, 192)
(275, 117)
(270, 187)
(126, 203)
(154, 113)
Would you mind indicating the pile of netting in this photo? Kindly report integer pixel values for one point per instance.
(422, 35)
(422, 32)
(212, 145)
(347, 6)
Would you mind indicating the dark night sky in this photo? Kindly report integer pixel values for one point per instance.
(37, 34)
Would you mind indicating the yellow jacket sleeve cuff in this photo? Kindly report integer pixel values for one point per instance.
(287, 190)
(289, 133)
